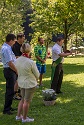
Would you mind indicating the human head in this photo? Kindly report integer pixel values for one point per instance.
(41, 40)
(25, 48)
(20, 38)
(10, 39)
(60, 40)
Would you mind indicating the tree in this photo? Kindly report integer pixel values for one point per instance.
(12, 16)
(27, 28)
(57, 16)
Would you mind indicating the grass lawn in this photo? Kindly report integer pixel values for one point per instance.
(69, 107)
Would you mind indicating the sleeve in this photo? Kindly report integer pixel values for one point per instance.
(36, 51)
(7, 55)
(35, 70)
(56, 51)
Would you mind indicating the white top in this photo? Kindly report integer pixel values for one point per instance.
(27, 72)
(56, 50)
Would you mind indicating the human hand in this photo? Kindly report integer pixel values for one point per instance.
(67, 51)
(44, 61)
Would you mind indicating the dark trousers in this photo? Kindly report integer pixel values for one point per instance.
(57, 79)
(10, 77)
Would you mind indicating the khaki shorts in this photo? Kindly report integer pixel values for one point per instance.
(27, 94)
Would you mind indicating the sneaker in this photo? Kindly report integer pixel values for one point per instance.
(19, 118)
(41, 84)
(37, 86)
(28, 119)
(16, 97)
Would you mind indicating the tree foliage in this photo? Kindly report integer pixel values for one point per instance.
(12, 16)
(58, 16)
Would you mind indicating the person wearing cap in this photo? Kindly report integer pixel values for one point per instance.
(16, 49)
(57, 68)
(8, 59)
(40, 54)
(28, 75)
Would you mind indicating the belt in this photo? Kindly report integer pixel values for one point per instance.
(59, 63)
(6, 67)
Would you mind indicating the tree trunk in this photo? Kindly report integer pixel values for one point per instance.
(46, 44)
(76, 40)
(65, 34)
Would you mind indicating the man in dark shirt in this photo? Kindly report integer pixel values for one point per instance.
(16, 49)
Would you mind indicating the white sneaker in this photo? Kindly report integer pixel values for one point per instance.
(37, 86)
(28, 119)
(19, 118)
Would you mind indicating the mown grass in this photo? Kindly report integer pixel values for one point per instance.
(69, 107)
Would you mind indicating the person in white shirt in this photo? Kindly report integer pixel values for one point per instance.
(27, 81)
(57, 69)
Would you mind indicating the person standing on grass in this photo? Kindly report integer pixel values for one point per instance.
(27, 81)
(16, 49)
(40, 54)
(57, 68)
(10, 71)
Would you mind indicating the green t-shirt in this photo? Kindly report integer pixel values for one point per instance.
(40, 50)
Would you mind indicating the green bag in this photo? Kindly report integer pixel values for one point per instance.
(54, 64)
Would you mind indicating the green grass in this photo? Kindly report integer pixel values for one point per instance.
(69, 107)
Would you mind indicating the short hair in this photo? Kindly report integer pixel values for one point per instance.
(10, 37)
(25, 48)
(20, 35)
(59, 39)
(39, 38)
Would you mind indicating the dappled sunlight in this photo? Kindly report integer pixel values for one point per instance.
(62, 100)
(1, 89)
(68, 105)
(73, 61)
(0, 67)
(47, 79)
(38, 94)
(2, 82)
(49, 61)
(77, 79)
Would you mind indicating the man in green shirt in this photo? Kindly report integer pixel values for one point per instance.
(40, 54)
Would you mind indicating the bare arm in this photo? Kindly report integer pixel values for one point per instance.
(42, 60)
(64, 54)
(39, 58)
(12, 66)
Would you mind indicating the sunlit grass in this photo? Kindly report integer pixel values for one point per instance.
(2, 82)
(69, 107)
(60, 100)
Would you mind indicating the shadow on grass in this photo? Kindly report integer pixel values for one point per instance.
(69, 107)
(73, 68)
(68, 69)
